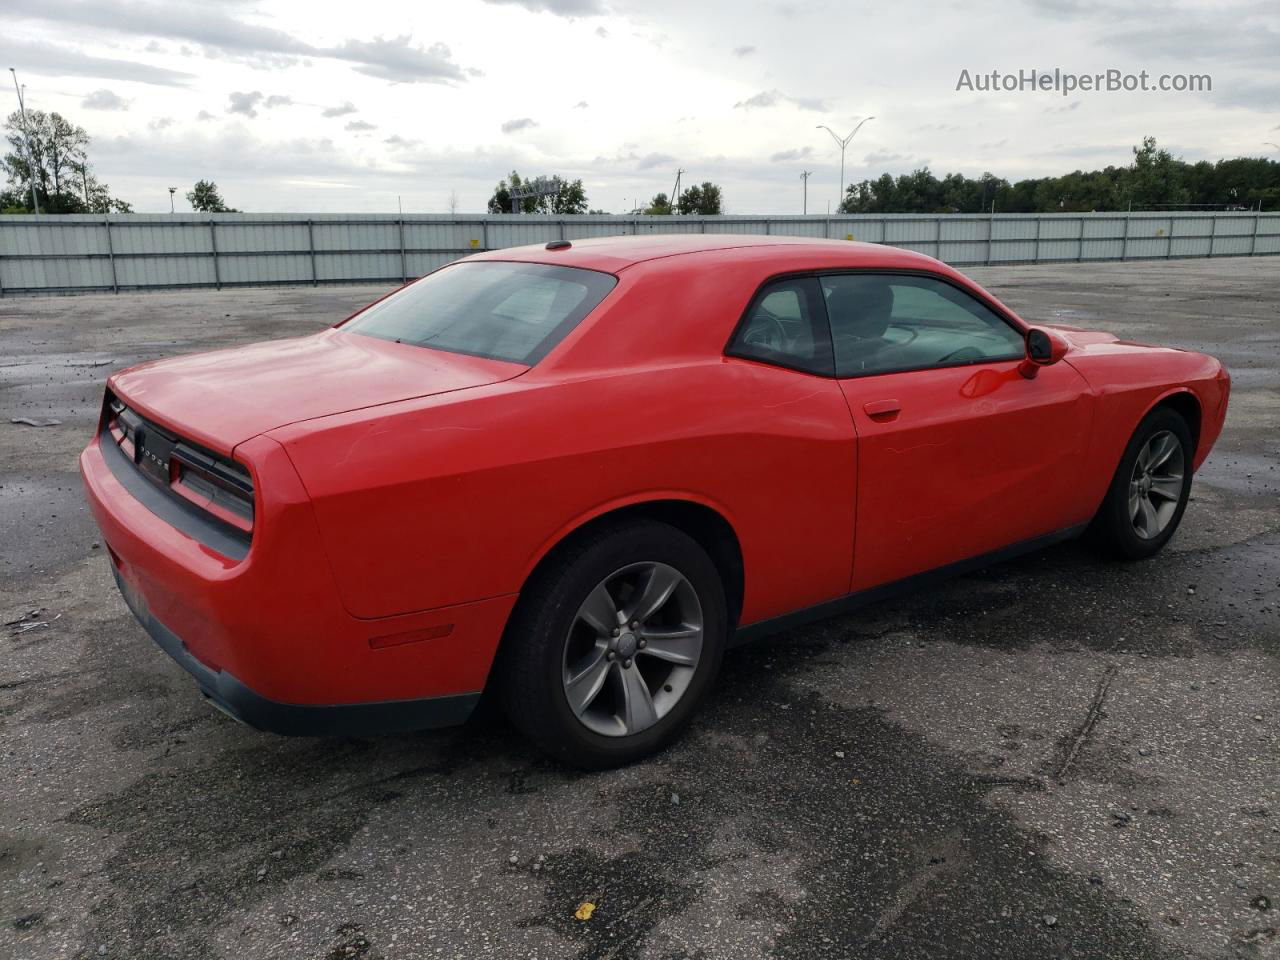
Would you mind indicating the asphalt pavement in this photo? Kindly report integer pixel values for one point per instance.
(1056, 757)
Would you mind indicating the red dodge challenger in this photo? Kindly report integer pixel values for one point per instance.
(576, 473)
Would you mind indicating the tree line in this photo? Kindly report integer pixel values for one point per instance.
(51, 153)
(703, 199)
(1155, 179)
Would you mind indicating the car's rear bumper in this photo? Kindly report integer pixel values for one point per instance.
(293, 719)
(266, 635)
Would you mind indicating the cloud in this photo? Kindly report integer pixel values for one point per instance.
(521, 123)
(881, 157)
(744, 51)
(581, 105)
(341, 111)
(358, 125)
(197, 22)
(397, 142)
(1157, 29)
(766, 98)
(1065, 9)
(207, 25)
(633, 161)
(104, 100)
(784, 156)
(205, 115)
(651, 160)
(50, 60)
(1252, 95)
(160, 123)
(1196, 38)
(400, 61)
(561, 8)
(774, 98)
(231, 149)
(246, 103)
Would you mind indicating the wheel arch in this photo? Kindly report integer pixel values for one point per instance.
(1184, 402)
(705, 522)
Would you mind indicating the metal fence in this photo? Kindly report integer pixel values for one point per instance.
(73, 254)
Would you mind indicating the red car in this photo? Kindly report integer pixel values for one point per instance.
(576, 473)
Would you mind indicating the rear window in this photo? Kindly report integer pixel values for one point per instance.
(495, 309)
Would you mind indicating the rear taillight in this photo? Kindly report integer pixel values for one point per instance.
(223, 488)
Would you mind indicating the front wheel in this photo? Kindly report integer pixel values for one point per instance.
(615, 644)
(1149, 491)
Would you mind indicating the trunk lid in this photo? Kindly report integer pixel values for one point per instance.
(222, 398)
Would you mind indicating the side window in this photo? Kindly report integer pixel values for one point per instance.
(883, 323)
(785, 325)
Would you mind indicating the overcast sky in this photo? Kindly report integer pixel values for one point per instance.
(301, 105)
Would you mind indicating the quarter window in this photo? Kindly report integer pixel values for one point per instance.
(784, 326)
(887, 323)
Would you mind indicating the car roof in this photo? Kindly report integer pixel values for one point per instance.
(614, 254)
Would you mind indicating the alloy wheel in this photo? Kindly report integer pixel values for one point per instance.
(632, 649)
(1156, 485)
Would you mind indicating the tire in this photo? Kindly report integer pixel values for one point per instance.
(1116, 529)
(560, 645)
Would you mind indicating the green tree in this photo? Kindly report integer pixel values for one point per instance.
(52, 152)
(205, 198)
(659, 206)
(703, 200)
(1155, 178)
(571, 198)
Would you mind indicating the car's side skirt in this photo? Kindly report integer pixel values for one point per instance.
(853, 601)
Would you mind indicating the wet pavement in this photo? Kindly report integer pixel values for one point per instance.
(1056, 757)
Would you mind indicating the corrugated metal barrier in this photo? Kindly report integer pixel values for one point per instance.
(81, 254)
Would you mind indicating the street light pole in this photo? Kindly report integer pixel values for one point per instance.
(805, 175)
(172, 191)
(844, 143)
(26, 134)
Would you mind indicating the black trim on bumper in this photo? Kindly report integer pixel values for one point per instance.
(298, 720)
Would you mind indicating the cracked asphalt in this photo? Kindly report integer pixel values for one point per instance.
(1055, 757)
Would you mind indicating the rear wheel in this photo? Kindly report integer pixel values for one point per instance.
(615, 644)
(1149, 491)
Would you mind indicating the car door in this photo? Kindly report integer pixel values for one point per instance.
(959, 454)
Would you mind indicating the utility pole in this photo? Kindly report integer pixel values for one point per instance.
(675, 191)
(844, 143)
(172, 191)
(805, 175)
(26, 134)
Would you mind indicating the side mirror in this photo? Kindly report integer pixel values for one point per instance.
(1044, 348)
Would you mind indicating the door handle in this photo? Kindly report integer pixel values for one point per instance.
(882, 409)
